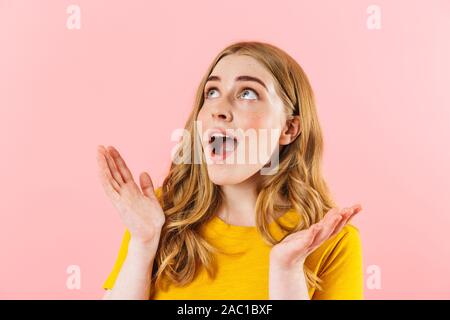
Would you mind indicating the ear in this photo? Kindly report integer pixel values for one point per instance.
(291, 130)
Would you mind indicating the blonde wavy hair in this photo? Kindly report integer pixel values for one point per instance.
(189, 199)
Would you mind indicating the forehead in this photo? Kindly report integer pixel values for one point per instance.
(234, 65)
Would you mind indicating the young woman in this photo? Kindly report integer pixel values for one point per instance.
(220, 229)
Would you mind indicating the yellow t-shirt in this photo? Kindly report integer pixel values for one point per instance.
(245, 274)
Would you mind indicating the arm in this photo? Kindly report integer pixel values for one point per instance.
(287, 284)
(134, 279)
(287, 258)
(141, 212)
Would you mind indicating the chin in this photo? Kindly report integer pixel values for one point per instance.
(228, 175)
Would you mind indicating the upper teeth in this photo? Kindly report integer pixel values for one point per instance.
(220, 135)
(219, 143)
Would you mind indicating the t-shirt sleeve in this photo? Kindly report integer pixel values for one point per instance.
(341, 267)
(109, 283)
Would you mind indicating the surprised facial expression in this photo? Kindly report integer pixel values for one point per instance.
(241, 120)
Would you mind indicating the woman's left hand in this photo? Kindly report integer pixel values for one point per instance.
(292, 251)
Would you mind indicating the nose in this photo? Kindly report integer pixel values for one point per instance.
(222, 113)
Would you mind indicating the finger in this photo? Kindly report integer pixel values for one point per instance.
(146, 185)
(307, 236)
(351, 212)
(104, 172)
(345, 212)
(315, 239)
(330, 216)
(351, 216)
(317, 229)
(112, 167)
(121, 165)
(109, 189)
(331, 219)
(328, 226)
(348, 215)
(357, 208)
(303, 239)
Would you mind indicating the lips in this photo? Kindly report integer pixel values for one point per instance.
(221, 144)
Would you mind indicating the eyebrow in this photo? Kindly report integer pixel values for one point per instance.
(240, 78)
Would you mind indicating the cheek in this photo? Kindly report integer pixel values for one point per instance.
(201, 114)
(260, 120)
(268, 128)
(267, 135)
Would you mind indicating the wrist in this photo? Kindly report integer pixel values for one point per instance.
(287, 283)
(291, 266)
(291, 270)
(143, 249)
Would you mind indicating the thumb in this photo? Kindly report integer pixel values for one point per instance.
(146, 185)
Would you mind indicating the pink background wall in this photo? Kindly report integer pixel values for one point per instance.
(127, 77)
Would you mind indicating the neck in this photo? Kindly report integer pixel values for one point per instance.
(238, 206)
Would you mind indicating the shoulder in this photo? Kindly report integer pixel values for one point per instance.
(349, 232)
(348, 237)
(344, 245)
(338, 263)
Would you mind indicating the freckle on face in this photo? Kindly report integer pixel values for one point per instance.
(265, 114)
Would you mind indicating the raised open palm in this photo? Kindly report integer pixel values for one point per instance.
(293, 250)
(138, 208)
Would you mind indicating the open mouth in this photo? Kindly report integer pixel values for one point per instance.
(221, 146)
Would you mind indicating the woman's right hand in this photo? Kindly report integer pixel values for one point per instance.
(139, 209)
